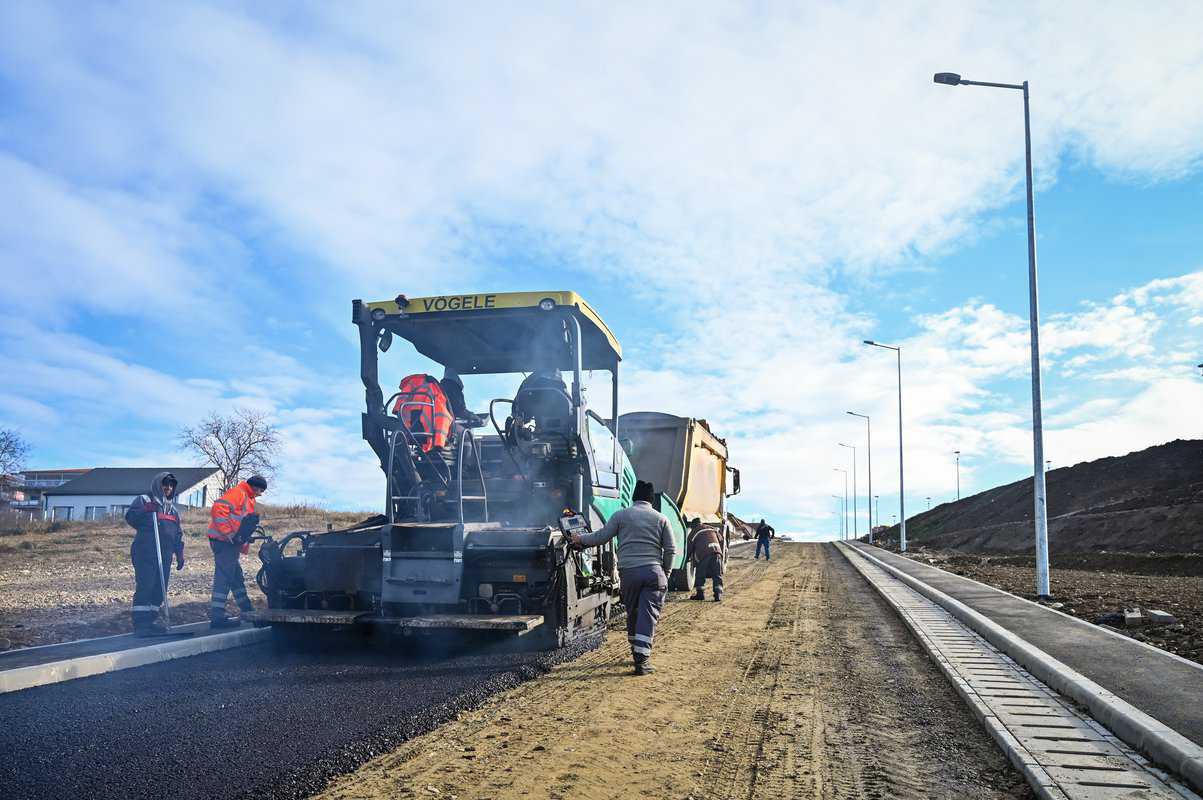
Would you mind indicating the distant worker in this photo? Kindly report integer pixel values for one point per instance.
(233, 523)
(764, 532)
(706, 553)
(157, 538)
(645, 557)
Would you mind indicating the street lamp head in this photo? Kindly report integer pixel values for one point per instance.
(870, 341)
(947, 78)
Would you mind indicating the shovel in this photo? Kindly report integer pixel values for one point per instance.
(163, 582)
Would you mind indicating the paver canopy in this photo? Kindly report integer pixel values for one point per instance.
(501, 333)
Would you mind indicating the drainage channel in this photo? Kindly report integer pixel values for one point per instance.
(1062, 752)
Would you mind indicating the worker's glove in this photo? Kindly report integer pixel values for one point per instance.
(179, 561)
(246, 528)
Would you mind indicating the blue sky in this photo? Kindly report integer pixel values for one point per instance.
(196, 191)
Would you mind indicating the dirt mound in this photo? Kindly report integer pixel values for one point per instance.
(1147, 501)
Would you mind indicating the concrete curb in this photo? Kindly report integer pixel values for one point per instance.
(1157, 741)
(1044, 786)
(1071, 618)
(13, 680)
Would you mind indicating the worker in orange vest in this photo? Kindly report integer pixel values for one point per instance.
(233, 521)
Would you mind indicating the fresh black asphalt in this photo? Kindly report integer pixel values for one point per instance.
(250, 722)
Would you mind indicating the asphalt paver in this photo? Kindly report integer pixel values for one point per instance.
(250, 722)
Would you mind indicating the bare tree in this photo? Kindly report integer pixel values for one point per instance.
(13, 450)
(239, 445)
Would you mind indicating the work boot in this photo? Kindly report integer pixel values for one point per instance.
(224, 622)
(699, 595)
(718, 598)
(644, 667)
(155, 628)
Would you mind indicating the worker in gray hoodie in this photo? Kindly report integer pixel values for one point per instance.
(157, 538)
(645, 557)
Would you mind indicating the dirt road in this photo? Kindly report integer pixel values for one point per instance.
(802, 683)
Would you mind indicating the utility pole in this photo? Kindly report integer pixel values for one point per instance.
(837, 469)
(855, 513)
(1040, 503)
(901, 470)
(869, 454)
(958, 455)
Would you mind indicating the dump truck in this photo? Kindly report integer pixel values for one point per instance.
(687, 464)
(474, 534)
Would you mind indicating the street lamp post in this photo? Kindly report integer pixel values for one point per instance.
(855, 513)
(837, 469)
(869, 455)
(1039, 501)
(901, 471)
(958, 455)
(841, 514)
(929, 504)
(877, 504)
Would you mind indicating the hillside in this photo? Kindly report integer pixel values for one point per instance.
(1147, 501)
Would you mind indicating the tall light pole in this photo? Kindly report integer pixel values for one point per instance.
(957, 453)
(901, 471)
(837, 469)
(929, 504)
(841, 515)
(869, 454)
(1039, 502)
(855, 526)
(877, 503)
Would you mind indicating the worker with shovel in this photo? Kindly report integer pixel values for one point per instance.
(158, 538)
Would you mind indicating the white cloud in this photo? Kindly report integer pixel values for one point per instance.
(719, 169)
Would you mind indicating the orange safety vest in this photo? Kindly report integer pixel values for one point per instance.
(228, 511)
(424, 410)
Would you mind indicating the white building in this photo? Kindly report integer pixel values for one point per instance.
(107, 491)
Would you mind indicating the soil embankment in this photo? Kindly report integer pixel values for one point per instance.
(1150, 501)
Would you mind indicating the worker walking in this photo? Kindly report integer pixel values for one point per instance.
(233, 521)
(157, 538)
(764, 532)
(706, 553)
(645, 556)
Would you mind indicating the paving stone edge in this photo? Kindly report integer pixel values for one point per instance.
(1043, 785)
(1160, 743)
(19, 678)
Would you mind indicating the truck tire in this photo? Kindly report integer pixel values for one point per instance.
(681, 580)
